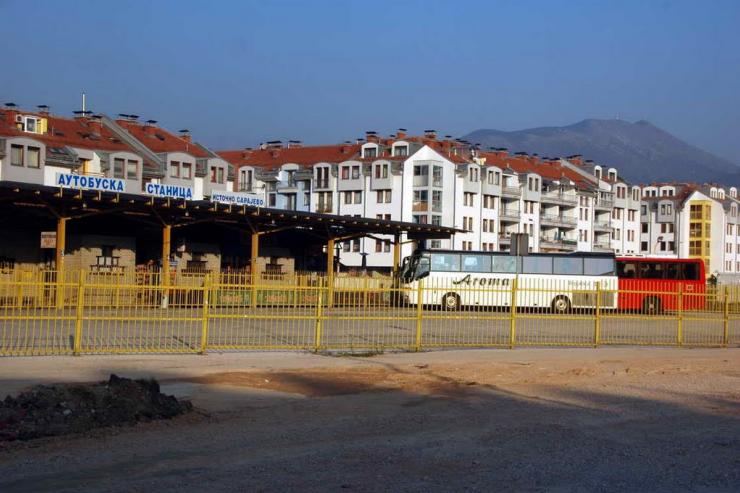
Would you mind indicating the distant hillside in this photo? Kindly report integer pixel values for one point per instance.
(640, 151)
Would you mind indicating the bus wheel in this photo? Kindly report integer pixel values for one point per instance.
(561, 304)
(651, 306)
(451, 301)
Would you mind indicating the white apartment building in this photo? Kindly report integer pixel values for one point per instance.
(563, 204)
(683, 220)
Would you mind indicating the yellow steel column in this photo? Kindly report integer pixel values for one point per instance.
(254, 253)
(330, 272)
(726, 318)
(597, 317)
(419, 312)
(396, 253)
(61, 245)
(512, 310)
(79, 315)
(679, 334)
(165, 274)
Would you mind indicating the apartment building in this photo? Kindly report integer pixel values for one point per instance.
(563, 204)
(687, 220)
(100, 153)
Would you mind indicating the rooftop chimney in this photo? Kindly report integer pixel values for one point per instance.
(43, 109)
(371, 136)
(401, 134)
(185, 135)
(293, 144)
(430, 134)
(95, 124)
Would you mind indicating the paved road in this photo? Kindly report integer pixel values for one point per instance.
(181, 329)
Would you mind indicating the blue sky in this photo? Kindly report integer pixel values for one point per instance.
(240, 72)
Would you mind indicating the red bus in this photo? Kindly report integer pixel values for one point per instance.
(652, 284)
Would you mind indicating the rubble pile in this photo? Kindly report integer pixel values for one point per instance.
(50, 410)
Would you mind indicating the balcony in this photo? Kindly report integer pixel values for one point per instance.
(504, 239)
(324, 208)
(602, 246)
(288, 185)
(558, 198)
(511, 192)
(246, 188)
(557, 220)
(564, 244)
(604, 205)
(420, 206)
(603, 226)
(510, 215)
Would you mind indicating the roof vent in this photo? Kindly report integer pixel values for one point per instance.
(43, 108)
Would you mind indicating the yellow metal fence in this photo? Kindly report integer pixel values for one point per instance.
(87, 313)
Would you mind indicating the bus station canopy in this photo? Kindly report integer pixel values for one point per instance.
(78, 204)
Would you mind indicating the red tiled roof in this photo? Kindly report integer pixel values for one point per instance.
(307, 156)
(553, 170)
(82, 133)
(159, 140)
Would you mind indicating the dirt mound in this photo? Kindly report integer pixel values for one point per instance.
(49, 410)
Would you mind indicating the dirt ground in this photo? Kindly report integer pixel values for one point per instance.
(616, 419)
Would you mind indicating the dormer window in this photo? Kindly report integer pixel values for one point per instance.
(370, 152)
(612, 175)
(31, 124)
(401, 151)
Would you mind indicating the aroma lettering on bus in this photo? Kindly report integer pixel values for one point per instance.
(469, 280)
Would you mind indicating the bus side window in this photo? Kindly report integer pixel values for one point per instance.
(476, 263)
(651, 270)
(690, 271)
(504, 264)
(626, 270)
(671, 270)
(537, 265)
(598, 266)
(445, 262)
(568, 265)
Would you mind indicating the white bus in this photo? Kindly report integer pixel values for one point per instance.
(559, 281)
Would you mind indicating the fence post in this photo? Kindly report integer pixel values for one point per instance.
(597, 318)
(79, 313)
(206, 314)
(319, 315)
(679, 335)
(419, 312)
(512, 312)
(726, 319)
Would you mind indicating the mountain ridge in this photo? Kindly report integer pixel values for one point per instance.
(641, 151)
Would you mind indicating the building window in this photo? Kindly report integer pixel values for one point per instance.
(421, 170)
(371, 152)
(272, 200)
(16, 155)
(358, 198)
(186, 172)
(106, 257)
(33, 157)
(468, 198)
(381, 171)
(383, 196)
(118, 165)
(644, 246)
(345, 172)
(355, 172)
(631, 215)
(401, 151)
(644, 227)
(347, 197)
(132, 170)
(217, 175)
(307, 198)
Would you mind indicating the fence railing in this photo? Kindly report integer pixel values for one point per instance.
(83, 313)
